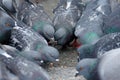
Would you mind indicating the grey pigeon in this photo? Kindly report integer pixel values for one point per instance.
(6, 25)
(35, 17)
(104, 68)
(89, 27)
(88, 68)
(26, 39)
(104, 44)
(24, 69)
(66, 15)
(31, 55)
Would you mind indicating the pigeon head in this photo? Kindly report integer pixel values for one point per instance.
(86, 68)
(86, 51)
(49, 54)
(60, 36)
(48, 32)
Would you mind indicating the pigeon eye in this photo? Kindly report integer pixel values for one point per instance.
(7, 24)
(81, 68)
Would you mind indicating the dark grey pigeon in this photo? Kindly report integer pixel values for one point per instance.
(35, 17)
(89, 27)
(24, 69)
(91, 20)
(104, 68)
(88, 68)
(112, 22)
(26, 39)
(6, 25)
(104, 44)
(66, 15)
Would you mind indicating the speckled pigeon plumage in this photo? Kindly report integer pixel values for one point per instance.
(89, 27)
(35, 17)
(66, 15)
(24, 69)
(104, 44)
(26, 39)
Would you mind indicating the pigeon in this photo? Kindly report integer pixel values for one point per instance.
(89, 27)
(104, 44)
(35, 17)
(26, 39)
(24, 69)
(104, 68)
(111, 23)
(91, 20)
(66, 14)
(31, 55)
(87, 68)
(6, 25)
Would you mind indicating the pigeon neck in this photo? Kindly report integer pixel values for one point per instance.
(90, 38)
(112, 29)
(39, 46)
(92, 70)
(39, 25)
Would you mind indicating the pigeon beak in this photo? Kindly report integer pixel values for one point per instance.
(57, 60)
(77, 73)
(42, 61)
(52, 39)
(78, 59)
